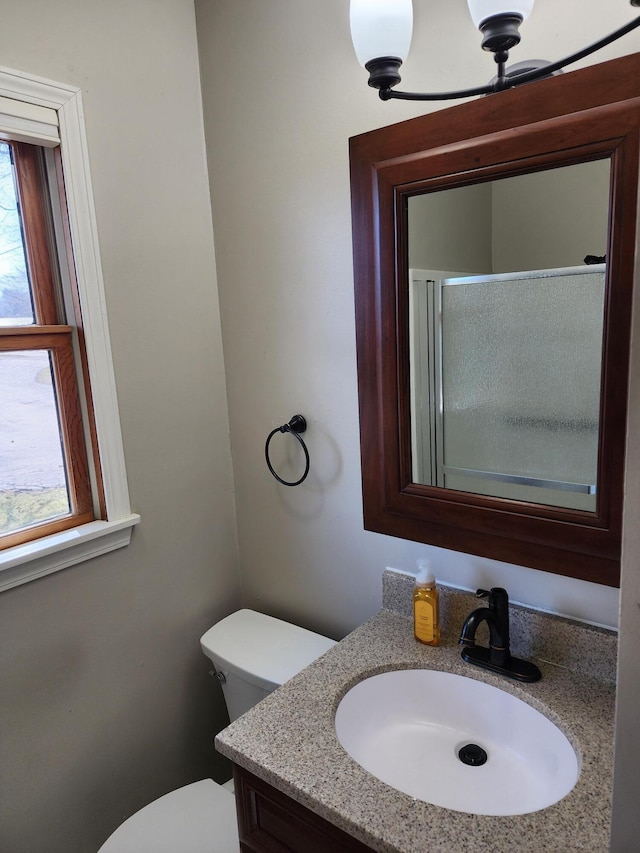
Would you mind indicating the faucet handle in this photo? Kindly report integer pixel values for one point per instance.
(496, 592)
(498, 600)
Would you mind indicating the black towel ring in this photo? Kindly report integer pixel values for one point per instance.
(296, 425)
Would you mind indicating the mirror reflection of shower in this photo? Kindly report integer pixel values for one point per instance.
(506, 324)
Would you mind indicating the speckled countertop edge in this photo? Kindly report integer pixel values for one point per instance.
(289, 740)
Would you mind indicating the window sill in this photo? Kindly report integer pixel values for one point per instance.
(34, 560)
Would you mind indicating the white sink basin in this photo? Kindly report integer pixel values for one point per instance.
(407, 727)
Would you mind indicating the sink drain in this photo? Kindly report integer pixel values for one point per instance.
(472, 754)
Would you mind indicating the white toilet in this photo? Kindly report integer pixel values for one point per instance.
(252, 655)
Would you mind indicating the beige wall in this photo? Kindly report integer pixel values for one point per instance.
(104, 694)
(527, 222)
(626, 816)
(452, 230)
(105, 698)
(565, 217)
(282, 95)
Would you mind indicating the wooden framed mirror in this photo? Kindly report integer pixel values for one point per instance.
(493, 399)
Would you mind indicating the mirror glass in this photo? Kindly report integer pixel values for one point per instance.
(506, 307)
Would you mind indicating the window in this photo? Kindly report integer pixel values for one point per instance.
(63, 488)
(44, 472)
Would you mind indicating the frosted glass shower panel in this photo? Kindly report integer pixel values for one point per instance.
(518, 367)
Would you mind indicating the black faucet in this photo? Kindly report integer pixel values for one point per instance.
(497, 657)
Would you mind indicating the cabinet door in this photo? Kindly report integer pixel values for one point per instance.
(271, 822)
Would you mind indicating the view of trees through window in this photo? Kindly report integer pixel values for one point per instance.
(33, 481)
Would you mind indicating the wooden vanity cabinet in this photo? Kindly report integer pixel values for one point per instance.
(271, 822)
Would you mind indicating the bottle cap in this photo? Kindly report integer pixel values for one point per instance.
(425, 576)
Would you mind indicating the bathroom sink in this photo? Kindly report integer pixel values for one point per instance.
(456, 742)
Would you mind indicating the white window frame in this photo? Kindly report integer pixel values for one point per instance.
(26, 105)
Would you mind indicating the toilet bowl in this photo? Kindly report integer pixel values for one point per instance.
(252, 654)
(198, 818)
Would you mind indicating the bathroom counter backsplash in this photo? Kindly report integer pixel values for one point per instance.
(534, 635)
(289, 741)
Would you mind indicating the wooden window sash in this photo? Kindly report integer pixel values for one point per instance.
(27, 164)
(82, 348)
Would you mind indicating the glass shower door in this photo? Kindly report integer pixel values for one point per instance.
(517, 384)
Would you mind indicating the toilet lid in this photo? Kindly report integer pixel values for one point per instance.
(262, 649)
(199, 818)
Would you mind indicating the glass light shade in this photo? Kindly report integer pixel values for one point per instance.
(381, 28)
(480, 10)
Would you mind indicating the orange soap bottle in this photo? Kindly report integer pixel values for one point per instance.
(426, 610)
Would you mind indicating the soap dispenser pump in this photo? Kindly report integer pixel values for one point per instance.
(426, 609)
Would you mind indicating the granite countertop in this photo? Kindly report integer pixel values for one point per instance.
(289, 741)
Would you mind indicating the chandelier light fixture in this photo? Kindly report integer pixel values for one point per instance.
(381, 33)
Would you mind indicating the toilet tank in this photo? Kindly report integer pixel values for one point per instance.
(255, 653)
